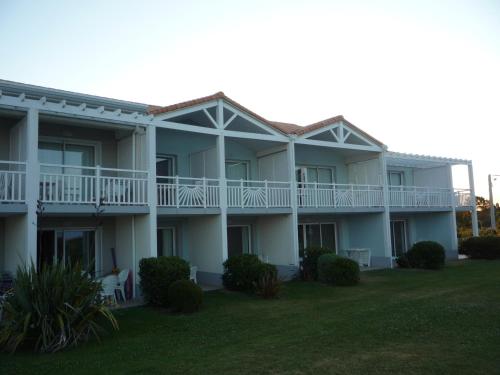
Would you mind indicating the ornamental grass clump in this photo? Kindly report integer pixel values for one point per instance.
(52, 309)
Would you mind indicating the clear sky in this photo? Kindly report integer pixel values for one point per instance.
(421, 76)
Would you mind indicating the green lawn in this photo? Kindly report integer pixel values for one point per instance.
(396, 321)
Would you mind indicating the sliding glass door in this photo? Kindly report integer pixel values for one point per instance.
(238, 240)
(318, 234)
(398, 237)
(67, 247)
(166, 245)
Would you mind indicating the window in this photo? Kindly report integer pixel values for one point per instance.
(395, 178)
(238, 240)
(318, 234)
(398, 237)
(66, 153)
(166, 166)
(166, 242)
(320, 175)
(236, 170)
(67, 247)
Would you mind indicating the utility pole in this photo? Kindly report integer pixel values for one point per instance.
(493, 223)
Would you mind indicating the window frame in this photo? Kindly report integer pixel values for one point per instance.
(335, 231)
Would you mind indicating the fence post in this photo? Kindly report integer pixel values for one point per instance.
(267, 193)
(204, 192)
(241, 193)
(177, 191)
(98, 185)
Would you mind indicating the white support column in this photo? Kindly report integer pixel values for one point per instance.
(32, 184)
(387, 213)
(453, 224)
(493, 223)
(152, 191)
(221, 157)
(293, 198)
(475, 227)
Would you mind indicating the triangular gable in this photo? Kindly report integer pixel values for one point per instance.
(342, 133)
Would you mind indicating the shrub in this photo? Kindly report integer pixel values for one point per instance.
(325, 268)
(52, 309)
(345, 272)
(157, 274)
(403, 261)
(268, 285)
(427, 255)
(309, 263)
(185, 296)
(242, 272)
(482, 247)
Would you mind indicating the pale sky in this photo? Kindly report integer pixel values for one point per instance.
(421, 76)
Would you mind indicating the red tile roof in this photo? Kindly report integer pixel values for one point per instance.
(283, 127)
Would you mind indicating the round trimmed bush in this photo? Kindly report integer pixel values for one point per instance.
(156, 275)
(427, 255)
(185, 296)
(402, 261)
(345, 271)
(242, 272)
(326, 263)
(309, 262)
(482, 247)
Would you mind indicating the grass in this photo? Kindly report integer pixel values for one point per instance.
(395, 321)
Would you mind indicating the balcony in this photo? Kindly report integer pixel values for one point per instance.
(12, 181)
(463, 198)
(317, 195)
(68, 184)
(258, 194)
(187, 192)
(419, 197)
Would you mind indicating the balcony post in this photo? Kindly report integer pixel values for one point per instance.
(267, 193)
(177, 191)
(453, 224)
(204, 192)
(475, 226)
(386, 203)
(98, 185)
(493, 223)
(241, 193)
(32, 185)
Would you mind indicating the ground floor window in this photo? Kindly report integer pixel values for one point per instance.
(166, 242)
(69, 246)
(238, 239)
(398, 237)
(318, 234)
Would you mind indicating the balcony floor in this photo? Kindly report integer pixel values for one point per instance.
(61, 209)
(187, 211)
(420, 209)
(338, 210)
(259, 210)
(8, 209)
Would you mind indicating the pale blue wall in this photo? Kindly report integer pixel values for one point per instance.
(182, 144)
(322, 156)
(238, 151)
(435, 226)
(367, 231)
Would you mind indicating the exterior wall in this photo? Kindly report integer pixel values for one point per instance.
(365, 172)
(205, 247)
(434, 226)
(238, 151)
(275, 239)
(182, 235)
(274, 167)
(324, 157)
(16, 235)
(105, 138)
(2, 244)
(435, 177)
(407, 174)
(5, 127)
(183, 145)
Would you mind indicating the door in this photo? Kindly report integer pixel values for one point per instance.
(166, 242)
(318, 234)
(238, 240)
(67, 247)
(398, 237)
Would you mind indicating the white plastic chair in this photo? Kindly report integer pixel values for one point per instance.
(192, 274)
(122, 279)
(108, 288)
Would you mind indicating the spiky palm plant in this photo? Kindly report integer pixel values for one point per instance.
(52, 309)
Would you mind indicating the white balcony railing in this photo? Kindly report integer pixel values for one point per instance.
(463, 198)
(91, 185)
(187, 192)
(339, 195)
(12, 181)
(258, 194)
(414, 196)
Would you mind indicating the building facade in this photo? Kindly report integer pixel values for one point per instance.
(106, 183)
